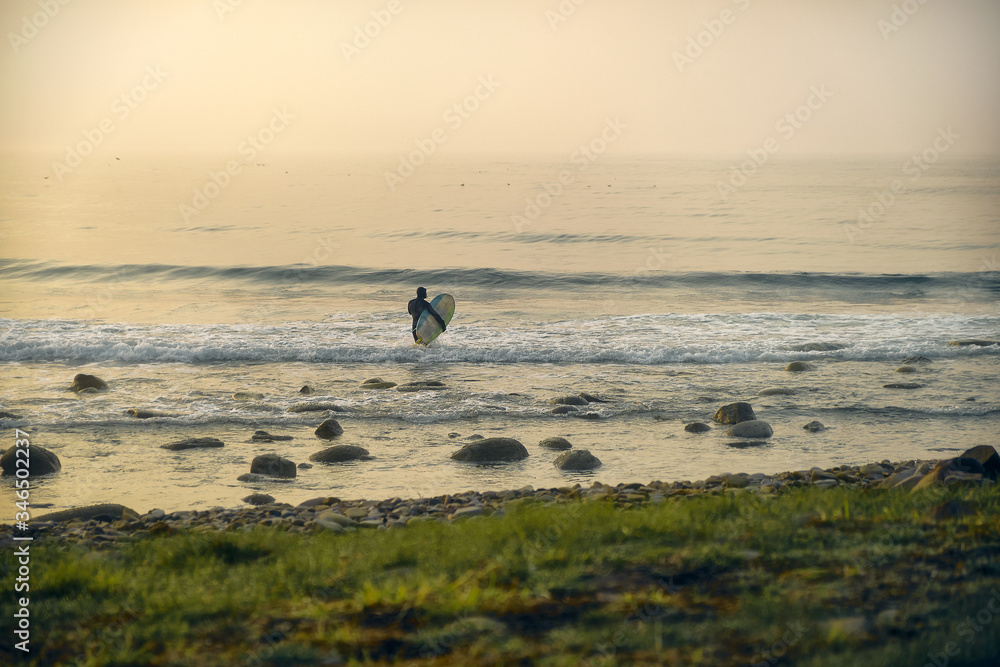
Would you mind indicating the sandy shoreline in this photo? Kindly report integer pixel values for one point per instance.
(96, 525)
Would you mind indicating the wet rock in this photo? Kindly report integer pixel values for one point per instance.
(578, 459)
(563, 410)
(751, 429)
(272, 465)
(798, 366)
(254, 478)
(428, 385)
(8, 415)
(743, 444)
(89, 512)
(586, 415)
(329, 429)
(590, 398)
(259, 499)
(306, 390)
(193, 443)
(568, 400)
(83, 381)
(142, 413)
(958, 468)
(40, 461)
(304, 466)
(315, 407)
(264, 436)
(492, 449)
(555, 443)
(734, 413)
(776, 391)
(906, 369)
(247, 396)
(341, 453)
(697, 427)
(987, 457)
(977, 342)
(902, 385)
(377, 383)
(814, 427)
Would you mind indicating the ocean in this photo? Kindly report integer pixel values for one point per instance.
(665, 287)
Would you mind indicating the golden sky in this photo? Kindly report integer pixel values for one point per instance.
(719, 77)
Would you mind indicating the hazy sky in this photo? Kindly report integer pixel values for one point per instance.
(709, 77)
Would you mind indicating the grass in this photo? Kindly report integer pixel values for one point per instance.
(807, 578)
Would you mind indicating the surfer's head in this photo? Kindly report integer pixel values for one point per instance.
(421, 292)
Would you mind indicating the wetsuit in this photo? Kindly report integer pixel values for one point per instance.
(416, 307)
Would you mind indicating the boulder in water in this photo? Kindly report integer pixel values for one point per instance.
(427, 385)
(902, 385)
(377, 383)
(978, 342)
(492, 449)
(329, 429)
(776, 391)
(341, 453)
(799, 366)
(697, 427)
(555, 443)
(562, 410)
(814, 427)
(193, 443)
(751, 429)
(272, 465)
(306, 390)
(247, 396)
(906, 369)
(578, 459)
(734, 413)
(590, 398)
(264, 436)
(82, 381)
(143, 413)
(569, 400)
(40, 461)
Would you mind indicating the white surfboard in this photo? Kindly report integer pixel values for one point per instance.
(427, 326)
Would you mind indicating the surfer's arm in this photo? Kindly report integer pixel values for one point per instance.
(444, 327)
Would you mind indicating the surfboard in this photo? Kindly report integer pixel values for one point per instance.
(427, 326)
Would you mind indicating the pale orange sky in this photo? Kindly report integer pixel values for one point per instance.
(202, 75)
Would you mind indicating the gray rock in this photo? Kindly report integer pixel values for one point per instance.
(916, 360)
(340, 453)
(590, 398)
(83, 381)
(568, 400)
(902, 385)
(579, 459)
(492, 449)
(906, 369)
(798, 366)
(814, 427)
(272, 465)
(254, 478)
(734, 413)
(427, 385)
(987, 456)
(776, 391)
(697, 427)
(329, 429)
(306, 390)
(193, 443)
(8, 415)
(555, 443)
(974, 342)
(751, 429)
(40, 461)
(89, 512)
(247, 396)
(258, 499)
(377, 383)
(142, 413)
(264, 436)
(563, 410)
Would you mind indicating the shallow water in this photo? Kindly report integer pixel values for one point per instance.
(637, 284)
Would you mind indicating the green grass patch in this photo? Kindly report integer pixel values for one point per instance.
(807, 578)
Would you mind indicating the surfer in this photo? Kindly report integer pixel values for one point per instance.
(416, 307)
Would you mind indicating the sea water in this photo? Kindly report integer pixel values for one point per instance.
(641, 281)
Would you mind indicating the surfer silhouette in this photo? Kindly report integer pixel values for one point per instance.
(416, 307)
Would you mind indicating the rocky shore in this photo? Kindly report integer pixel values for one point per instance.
(99, 525)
